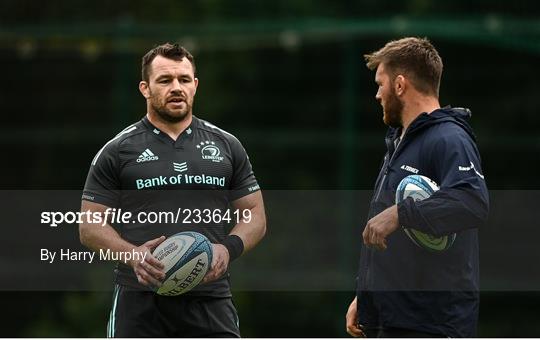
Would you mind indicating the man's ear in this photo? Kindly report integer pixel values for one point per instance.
(144, 89)
(400, 84)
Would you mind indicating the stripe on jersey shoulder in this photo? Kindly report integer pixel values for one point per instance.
(215, 127)
(126, 130)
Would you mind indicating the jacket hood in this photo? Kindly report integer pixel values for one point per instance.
(458, 115)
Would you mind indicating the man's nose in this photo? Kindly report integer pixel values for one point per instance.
(176, 86)
(378, 96)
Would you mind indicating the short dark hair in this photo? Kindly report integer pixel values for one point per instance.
(413, 57)
(167, 50)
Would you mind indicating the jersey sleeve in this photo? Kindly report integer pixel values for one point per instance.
(462, 201)
(243, 181)
(102, 183)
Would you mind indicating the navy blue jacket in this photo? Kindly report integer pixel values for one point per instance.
(407, 286)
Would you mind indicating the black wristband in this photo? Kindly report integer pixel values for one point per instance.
(234, 245)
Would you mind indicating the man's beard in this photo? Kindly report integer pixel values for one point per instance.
(393, 110)
(167, 115)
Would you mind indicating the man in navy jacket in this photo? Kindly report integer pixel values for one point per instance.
(405, 290)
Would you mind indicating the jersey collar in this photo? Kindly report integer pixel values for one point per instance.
(186, 135)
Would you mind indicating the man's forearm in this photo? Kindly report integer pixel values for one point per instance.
(251, 233)
(97, 237)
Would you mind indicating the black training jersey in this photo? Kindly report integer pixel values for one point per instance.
(145, 172)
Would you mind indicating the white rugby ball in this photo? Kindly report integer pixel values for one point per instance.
(187, 257)
(419, 188)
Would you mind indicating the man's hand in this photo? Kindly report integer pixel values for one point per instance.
(380, 226)
(351, 323)
(150, 271)
(220, 263)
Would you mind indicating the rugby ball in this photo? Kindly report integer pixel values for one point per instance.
(419, 188)
(187, 257)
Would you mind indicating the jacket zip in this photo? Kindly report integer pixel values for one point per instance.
(387, 165)
(379, 189)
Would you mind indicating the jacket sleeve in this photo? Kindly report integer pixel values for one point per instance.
(462, 201)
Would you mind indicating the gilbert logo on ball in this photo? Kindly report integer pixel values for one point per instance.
(419, 188)
(187, 257)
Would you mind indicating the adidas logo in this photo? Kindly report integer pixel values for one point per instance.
(409, 168)
(146, 156)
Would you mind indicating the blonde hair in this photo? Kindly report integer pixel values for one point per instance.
(415, 58)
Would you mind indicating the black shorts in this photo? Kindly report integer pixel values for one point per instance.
(138, 313)
(392, 332)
